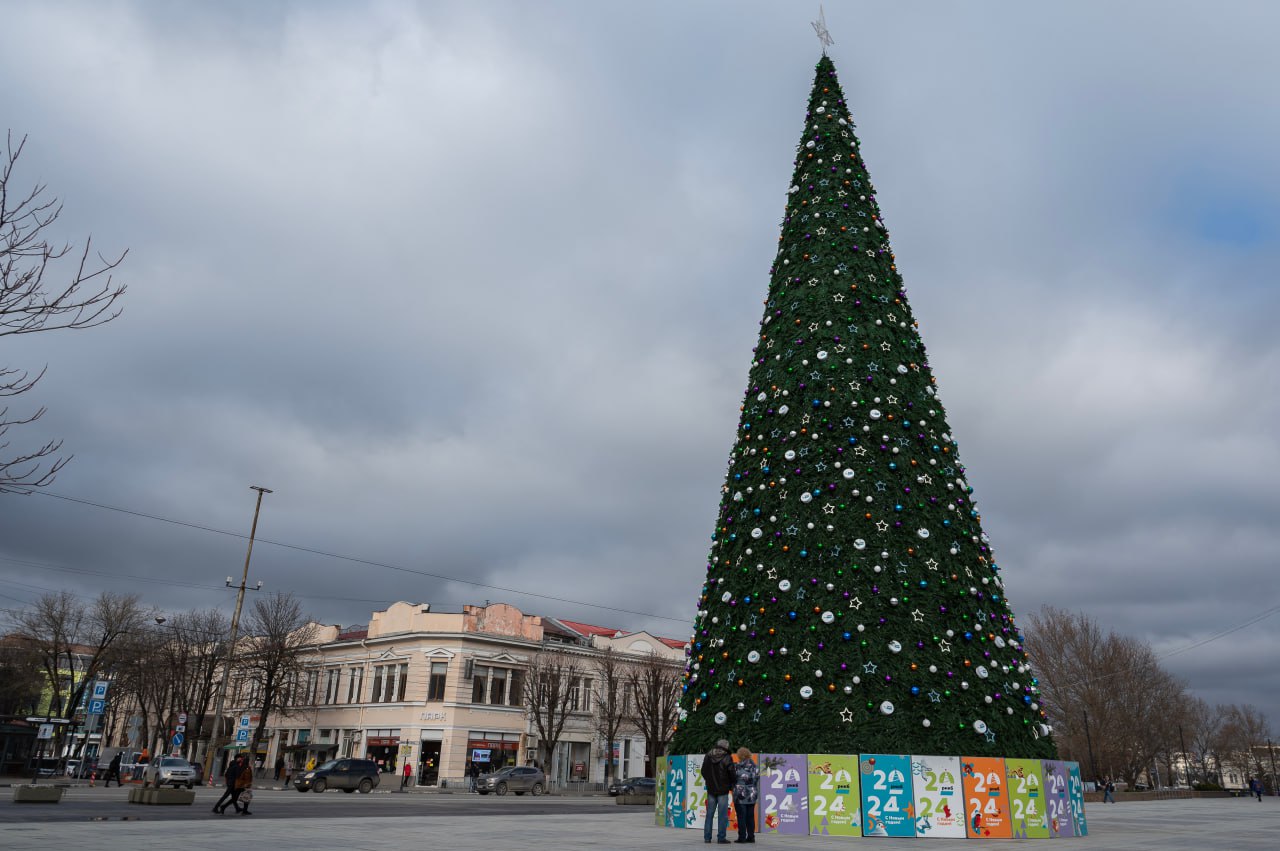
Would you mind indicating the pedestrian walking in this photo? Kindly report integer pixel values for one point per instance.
(473, 773)
(229, 775)
(279, 767)
(113, 770)
(244, 789)
(1109, 793)
(717, 771)
(408, 772)
(746, 791)
(1255, 786)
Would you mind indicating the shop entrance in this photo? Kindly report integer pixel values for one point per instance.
(429, 763)
(383, 751)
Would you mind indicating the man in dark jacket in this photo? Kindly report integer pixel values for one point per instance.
(229, 778)
(113, 770)
(717, 772)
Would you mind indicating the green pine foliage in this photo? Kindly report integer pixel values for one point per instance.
(852, 603)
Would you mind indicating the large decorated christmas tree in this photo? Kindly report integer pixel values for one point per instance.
(852, 603)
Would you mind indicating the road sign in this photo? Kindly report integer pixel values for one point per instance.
(177, 739)
(181, 728)
(100, 689)
(46, 731)
(242, 735)
(182, 718)
(245, 720)
(97, 707)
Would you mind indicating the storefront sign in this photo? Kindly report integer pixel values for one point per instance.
(432, 716)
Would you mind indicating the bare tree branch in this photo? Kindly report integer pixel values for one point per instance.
(30, 303)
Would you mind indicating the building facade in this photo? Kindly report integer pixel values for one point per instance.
(438, 690)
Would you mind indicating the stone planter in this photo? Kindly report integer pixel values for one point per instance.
(37, 794)
(162, 797)
(635, 800)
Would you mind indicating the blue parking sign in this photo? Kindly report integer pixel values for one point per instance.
(97, 707)
(242, 735)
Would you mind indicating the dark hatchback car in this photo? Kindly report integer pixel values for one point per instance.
(349, 775)
(633, 786)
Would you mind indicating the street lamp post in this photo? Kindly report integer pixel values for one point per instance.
(214, 735)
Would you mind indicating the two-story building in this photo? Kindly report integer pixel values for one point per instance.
(438, 689)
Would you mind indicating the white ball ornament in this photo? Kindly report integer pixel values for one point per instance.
(721, 718)
(886, 707)
(828, 617)
(806, 692)
(927, 723)
(784, 585)
(753, 656)
(979, 727)
(895, 646)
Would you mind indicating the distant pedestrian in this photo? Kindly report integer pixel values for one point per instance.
(279, 766)
(473, 773)
(1109, 793)
(717, 771)
(746, 791)
(1255, 786)
(229, 775)
(113, 770)
(408, 773)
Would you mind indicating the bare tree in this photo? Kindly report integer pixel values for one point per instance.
(654, 683)
(1203, 724)
(548, 698)
(1242, 739)
(31, 302)
(272, 658)
(74, 642)
(1113, 707)
(611, 704)
(21, 679)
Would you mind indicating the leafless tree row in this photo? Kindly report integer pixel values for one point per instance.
(629, 694)
(1121, 715)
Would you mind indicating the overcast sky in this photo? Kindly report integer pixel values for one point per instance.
(473, 287)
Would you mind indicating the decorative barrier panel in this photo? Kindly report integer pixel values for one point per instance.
(891, 795)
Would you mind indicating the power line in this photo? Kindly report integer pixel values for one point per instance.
(355, 559)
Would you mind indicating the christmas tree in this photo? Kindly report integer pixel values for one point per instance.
(852, 603)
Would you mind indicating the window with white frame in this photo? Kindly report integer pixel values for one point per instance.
(389, 682)
(355, 677)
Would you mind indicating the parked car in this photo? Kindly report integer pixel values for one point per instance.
(349, 775)
(176, 771)
(633, 786)
(516, 778)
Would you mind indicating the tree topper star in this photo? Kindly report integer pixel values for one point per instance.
(820, 28)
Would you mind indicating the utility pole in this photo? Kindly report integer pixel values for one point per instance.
(1089, 739)
(214, 735)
